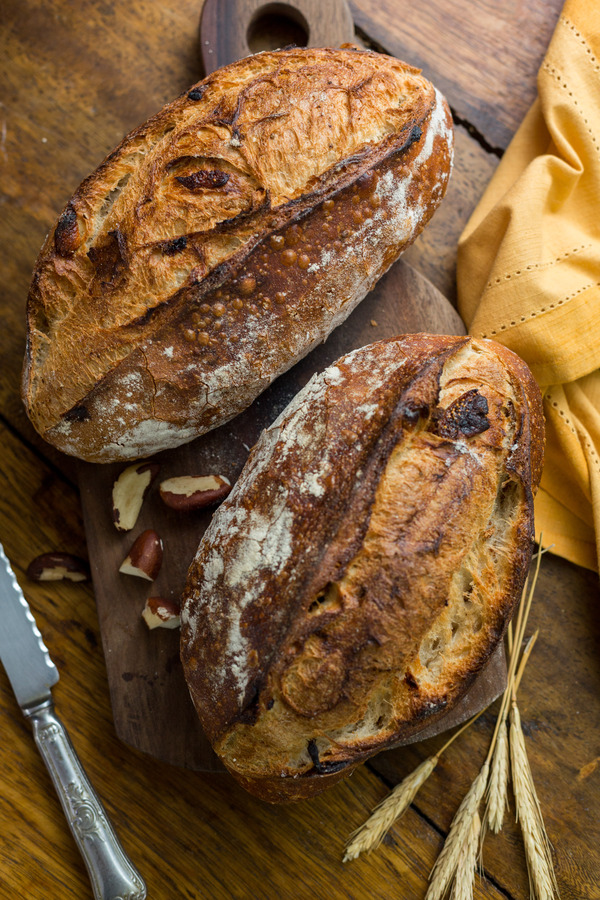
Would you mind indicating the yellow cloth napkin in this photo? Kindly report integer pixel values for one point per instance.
(529, 274)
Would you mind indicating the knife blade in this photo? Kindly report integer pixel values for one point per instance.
(20, 641)
(32, 674)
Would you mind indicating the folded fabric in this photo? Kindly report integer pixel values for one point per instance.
(528, 274)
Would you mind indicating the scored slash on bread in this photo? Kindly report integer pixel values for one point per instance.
(222, 240)
(367, 562)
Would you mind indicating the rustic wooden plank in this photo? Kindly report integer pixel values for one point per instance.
(190, 835)
(484, 56)
(561, 718)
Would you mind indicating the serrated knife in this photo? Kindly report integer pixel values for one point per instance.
(32, 674)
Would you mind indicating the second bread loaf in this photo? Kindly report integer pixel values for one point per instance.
(367, 562)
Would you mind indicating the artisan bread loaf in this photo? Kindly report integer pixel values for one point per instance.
(367, 562)
(222, 240)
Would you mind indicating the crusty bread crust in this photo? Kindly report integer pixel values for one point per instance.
(222, 240)
(367, 562)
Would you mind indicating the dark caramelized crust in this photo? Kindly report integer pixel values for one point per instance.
(367, 562)
(222, 240)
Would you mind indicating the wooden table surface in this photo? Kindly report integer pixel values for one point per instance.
(75, 78)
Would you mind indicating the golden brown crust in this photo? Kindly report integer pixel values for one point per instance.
(367, 562)
(222, 240)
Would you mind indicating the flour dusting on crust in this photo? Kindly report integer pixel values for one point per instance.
(258, 543)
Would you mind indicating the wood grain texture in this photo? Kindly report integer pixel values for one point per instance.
(77, 77)
(484, 56)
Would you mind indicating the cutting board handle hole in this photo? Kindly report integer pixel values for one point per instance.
(277, 25)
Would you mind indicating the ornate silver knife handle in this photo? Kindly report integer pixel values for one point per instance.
(112, 875)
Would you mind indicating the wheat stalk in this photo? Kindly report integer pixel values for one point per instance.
(467, 861)
(371, 833)
(447, 862)
(497, 790)
(542, 880)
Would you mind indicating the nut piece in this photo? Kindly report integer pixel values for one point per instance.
(161, 613)
(194, 491)
(56, 566)
(129, 491)
(145, 557)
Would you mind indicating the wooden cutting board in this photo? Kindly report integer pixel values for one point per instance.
(151, 706)
(150, 702)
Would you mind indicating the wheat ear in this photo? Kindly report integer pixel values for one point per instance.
(467, 861)
(447, 862)
(371, 833)
(497, 790)
(498, 784)
(542, 880)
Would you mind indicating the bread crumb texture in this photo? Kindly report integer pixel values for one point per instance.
(366, 564)
(222, 240)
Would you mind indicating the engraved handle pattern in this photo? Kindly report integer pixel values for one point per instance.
(111, 873)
